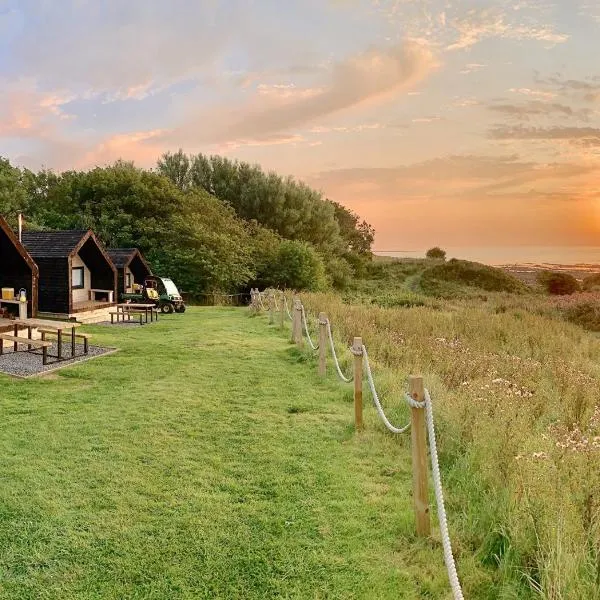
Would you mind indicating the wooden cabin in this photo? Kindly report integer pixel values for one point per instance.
(131, 268)
(75, 271)
(18, 271)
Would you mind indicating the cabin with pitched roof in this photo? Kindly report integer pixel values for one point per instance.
(18, 271)
(131, 268)
(76, 273)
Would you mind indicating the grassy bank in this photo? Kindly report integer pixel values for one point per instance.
(516, 394)
(206, 459)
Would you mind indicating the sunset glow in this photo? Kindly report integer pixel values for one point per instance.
(472, 123)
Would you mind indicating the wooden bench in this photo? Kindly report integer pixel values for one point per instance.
(92, 294)
(133, 308)
(82, 336)
(44, 345)
(122, 314)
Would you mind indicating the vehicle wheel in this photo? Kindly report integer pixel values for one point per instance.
(166, 309)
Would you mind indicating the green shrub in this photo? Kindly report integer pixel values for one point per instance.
(586, 315)
(558, 283)
(436, 253)
(339, 272)
(591, 283)
(298, 266)
(458, 273)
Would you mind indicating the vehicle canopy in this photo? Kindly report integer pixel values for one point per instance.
(170, 287)
(164, 282)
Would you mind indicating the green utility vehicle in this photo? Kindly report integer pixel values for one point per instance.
(160, 291)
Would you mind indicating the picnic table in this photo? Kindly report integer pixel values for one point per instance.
(58, 326)
(134, 306)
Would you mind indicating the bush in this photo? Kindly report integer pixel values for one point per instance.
(436, 253)
(591, 283)
(586, 314)
(449, 275)
(558, 283)
(298, 266)
(339, 272)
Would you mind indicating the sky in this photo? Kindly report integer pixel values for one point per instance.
(450, 122)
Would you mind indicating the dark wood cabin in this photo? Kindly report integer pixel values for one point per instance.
(131, 268)
(76, 273)
(18, 270)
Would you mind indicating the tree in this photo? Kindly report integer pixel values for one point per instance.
(177, 168)
(297, 265)
(558, 283)
(358, 235)
(436, 253)
(13, 196)
(290, 208)
(208, 249)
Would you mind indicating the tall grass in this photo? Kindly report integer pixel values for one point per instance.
(517, 402)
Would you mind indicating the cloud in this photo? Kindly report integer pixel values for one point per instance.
(496, 22)
(461, 25)
(530, 92)
(538, 108)
(465, 102)
(582, 136)
(484, 191)
(121, 49)
(587, 90)
(27, 112)
(136, 146)
(448, 168)
(462, 176)
(590, 10)
(366, 78)
(472, 68)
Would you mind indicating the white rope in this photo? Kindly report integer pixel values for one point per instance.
(275, 301)
(312, 345)
(439, 498)
(335, 358)
(287, 309)
(376, 398)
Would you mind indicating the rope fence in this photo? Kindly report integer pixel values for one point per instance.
(418, 399)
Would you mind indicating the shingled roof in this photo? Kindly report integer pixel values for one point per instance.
(121, 257)
(20, 247)
(52, 244)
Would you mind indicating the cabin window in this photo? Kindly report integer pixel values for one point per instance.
(128, 280)
(77, 278)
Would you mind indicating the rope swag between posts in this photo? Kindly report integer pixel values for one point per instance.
(418, 399)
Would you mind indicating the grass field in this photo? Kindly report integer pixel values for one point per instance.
(516, 391)
(206, 459)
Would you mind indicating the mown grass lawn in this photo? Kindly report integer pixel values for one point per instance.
(205, 459)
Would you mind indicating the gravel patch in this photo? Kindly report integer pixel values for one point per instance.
(27, 364)
(119, 324)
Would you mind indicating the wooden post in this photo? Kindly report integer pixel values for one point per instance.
(299, 339)
(418, 434)
(322, 344)
(294, 320)
(358, 371)
(271, 308)
(282, 311)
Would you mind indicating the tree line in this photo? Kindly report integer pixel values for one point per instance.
(210, 223)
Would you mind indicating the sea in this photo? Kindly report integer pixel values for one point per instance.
(512, 255)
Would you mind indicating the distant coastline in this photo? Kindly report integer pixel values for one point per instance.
(579, 258)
